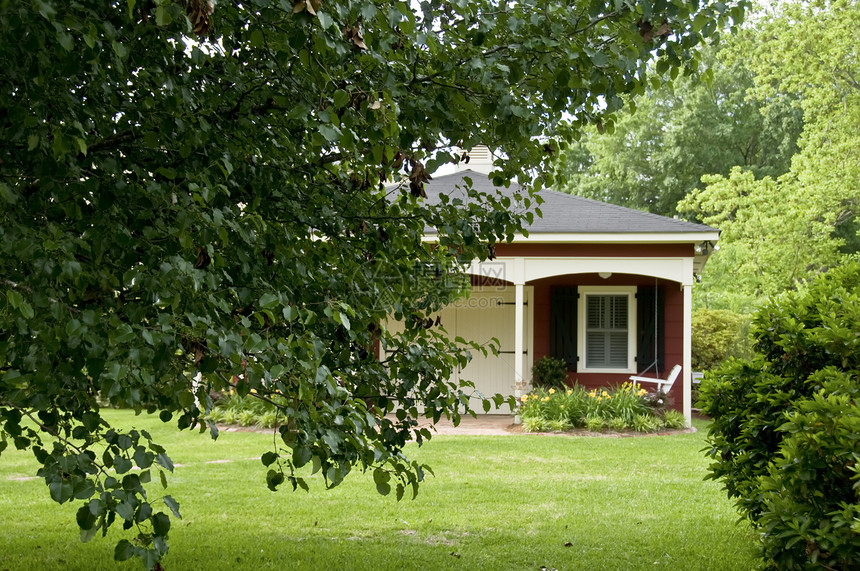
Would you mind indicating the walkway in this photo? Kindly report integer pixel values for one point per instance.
(484, 425)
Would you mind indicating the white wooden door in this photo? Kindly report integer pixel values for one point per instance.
(489, 313)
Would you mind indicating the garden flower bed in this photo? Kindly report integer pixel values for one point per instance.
(620, 408)
(234, 409)
(617, 409)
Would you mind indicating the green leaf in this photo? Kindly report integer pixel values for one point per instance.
(85, 489)
(26, 310)
(330, 132)
(274, 479)
(86, 520)
(61, 490)
(7, 194)
(160, 524)
(125, 510)
(301, 456)
(268, 301)
(162, 16)
(340, 98)
(163, 460)
(173, 505)
(381, 478)
(269, 458)
(325, 20)
(66, 41)
(123, 551)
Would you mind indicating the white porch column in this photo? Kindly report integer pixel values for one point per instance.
(688, 351)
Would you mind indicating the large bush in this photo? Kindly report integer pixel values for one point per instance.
(717, 335)
(549, 372)
(786, 433)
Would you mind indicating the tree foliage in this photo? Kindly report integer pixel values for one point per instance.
(784, 440)
(658, 153)
(778, 231)
(194, 198)
(718, 334)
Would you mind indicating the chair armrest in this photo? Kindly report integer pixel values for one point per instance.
(636, 379)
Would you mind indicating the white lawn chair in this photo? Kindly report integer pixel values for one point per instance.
(663, 385)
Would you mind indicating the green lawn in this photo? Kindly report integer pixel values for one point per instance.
(502, 502)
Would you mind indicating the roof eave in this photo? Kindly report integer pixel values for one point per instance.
(611, 237)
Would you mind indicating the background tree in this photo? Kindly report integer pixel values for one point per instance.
(718, 334)
(658, 153)
(194, 199)
(777, 232)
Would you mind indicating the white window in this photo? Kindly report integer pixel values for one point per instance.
(606, 329)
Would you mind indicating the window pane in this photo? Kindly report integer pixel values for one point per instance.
(595, 350)
(595, 311)
(617, 350)
(618, 316)
(606, 339)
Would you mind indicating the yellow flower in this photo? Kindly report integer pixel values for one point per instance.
(544, 399)
(552, 391)
(569, 391)
(525, 398)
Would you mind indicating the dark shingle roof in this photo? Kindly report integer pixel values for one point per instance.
(566, 213)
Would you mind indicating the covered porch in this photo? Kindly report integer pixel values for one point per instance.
(534, 298)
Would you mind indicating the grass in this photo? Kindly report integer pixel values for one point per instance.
(503, 502)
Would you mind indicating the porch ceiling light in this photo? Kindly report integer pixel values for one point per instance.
(605, 275)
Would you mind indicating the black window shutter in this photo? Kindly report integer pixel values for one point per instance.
(562, 335)
(645, 329)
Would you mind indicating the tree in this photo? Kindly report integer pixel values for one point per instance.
(778, 232)
(658, 153)
(718, 334)
(770, 239)
(194, 199)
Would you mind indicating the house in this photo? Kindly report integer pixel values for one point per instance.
(606, 288)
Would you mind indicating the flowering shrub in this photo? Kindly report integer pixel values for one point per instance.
(616, 408)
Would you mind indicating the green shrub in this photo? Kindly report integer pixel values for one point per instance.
(616, 423)
(810, 495)
(646, 423)
(674, 419)
(549, 372)
(559, 425)
(717, 335)
(535, 424)
(594, 423)
(778, 438)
